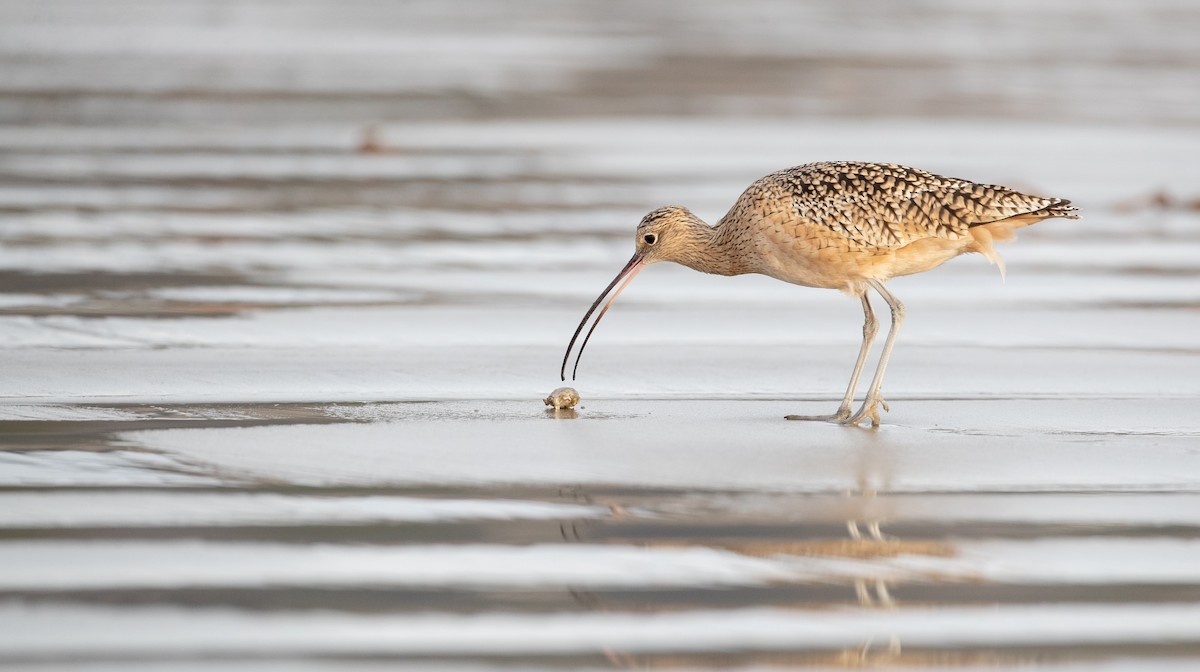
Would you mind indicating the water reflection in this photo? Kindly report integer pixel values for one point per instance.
(864, 546)
(873, 593)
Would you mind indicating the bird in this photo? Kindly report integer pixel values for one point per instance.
(845, 225)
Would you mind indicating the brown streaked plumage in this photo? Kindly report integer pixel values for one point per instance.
(838, 225)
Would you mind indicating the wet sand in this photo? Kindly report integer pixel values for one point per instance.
(276, 320)
(633, 533)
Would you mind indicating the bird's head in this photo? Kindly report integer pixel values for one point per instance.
(666, 234)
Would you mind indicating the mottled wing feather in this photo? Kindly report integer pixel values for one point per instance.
(884, 205)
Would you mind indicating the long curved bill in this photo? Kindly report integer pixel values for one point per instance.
(631, 269)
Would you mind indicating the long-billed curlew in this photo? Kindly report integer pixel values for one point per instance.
(838, 225)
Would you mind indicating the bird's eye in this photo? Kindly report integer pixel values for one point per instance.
(650, 238)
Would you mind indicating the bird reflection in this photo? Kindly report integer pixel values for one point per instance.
(862, 586)
(881, 598)
(864, 545)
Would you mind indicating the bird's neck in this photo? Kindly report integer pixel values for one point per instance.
(708, 251)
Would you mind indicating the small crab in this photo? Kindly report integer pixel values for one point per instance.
(563, 397)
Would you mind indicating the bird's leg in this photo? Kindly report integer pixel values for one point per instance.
(870, 328)
(870, 407)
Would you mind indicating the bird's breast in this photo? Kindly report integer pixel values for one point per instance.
(802, 256)
(834, 263)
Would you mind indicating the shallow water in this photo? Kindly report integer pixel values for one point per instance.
(282, 287)
(659, 533)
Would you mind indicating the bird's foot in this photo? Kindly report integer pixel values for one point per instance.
(868, 411)
(842, 414)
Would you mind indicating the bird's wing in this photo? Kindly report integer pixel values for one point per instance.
(887, 206)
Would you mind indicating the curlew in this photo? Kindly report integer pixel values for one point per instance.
(841, 225)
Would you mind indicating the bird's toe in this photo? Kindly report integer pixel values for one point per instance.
(840, 416)
(868, 411)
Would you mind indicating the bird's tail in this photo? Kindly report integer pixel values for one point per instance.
(1005, 229)
(1061, 208)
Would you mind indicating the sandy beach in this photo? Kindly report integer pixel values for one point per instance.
(282, 287)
